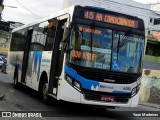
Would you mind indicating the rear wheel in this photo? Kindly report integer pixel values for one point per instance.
(44, 93)
(45, 88)
(15, 79)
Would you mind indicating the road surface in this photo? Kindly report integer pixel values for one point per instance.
(25, 99)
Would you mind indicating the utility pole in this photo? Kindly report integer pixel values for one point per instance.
(1, 8)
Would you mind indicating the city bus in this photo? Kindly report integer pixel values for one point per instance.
(81, 54)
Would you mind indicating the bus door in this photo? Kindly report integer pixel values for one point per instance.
(57, 59)
(26, 55)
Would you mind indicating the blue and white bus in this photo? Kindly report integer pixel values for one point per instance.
(80, 54)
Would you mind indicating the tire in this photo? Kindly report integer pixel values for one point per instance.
(45, 97)
(15, 83)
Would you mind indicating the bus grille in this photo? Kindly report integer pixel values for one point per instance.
(96, 96)
(118, 78)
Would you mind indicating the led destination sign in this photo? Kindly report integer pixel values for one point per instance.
(102, 17)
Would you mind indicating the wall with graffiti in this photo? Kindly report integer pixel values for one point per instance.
(150, 87)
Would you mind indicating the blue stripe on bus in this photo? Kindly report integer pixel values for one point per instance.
(85, 83)
(37, 57)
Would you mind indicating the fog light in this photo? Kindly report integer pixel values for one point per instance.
(133, 93)
(69, 79)
(77, 85)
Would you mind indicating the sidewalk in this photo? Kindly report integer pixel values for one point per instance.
(150, 105)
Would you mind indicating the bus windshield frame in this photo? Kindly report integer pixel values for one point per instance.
(105, 49)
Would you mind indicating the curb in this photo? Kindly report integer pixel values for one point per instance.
(150, 105)
(1, 96)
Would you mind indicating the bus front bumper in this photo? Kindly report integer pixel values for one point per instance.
(132, 102)
(68, 93)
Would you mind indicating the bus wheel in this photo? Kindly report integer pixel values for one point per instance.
(15, 79)
(46, 98)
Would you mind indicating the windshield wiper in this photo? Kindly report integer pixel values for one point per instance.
(118, 46)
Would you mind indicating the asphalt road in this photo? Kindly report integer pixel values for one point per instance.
(25, 99)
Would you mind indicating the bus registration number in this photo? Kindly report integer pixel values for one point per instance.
(107, 98)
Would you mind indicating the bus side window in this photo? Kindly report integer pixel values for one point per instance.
(50, 30)
(38, 38)
(43, 36)
(18, 40)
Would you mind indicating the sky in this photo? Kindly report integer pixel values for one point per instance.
(30, 10)
(147, 1)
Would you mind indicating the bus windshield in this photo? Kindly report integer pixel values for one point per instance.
(105, 49)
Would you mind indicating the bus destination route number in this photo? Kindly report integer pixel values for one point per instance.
(110, 19)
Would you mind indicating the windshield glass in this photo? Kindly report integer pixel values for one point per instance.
(127, 52)
(105, 49)
(91, 47)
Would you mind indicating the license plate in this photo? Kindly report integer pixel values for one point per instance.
(107, 98)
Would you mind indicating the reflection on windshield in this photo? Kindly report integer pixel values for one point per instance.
(91, 47)
(95, 48)
(128, 57)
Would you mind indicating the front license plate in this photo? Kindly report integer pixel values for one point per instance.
(107, 98)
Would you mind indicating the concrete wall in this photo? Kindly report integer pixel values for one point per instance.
(150, 87)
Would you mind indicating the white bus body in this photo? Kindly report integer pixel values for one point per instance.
(38, 68)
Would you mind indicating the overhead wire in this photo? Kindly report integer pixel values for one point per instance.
(126, 5)
(27, 9)
(102, 2)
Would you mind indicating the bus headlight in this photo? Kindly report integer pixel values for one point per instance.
(134, 91)
(69, 80)
(77, 85)
(73, 83)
